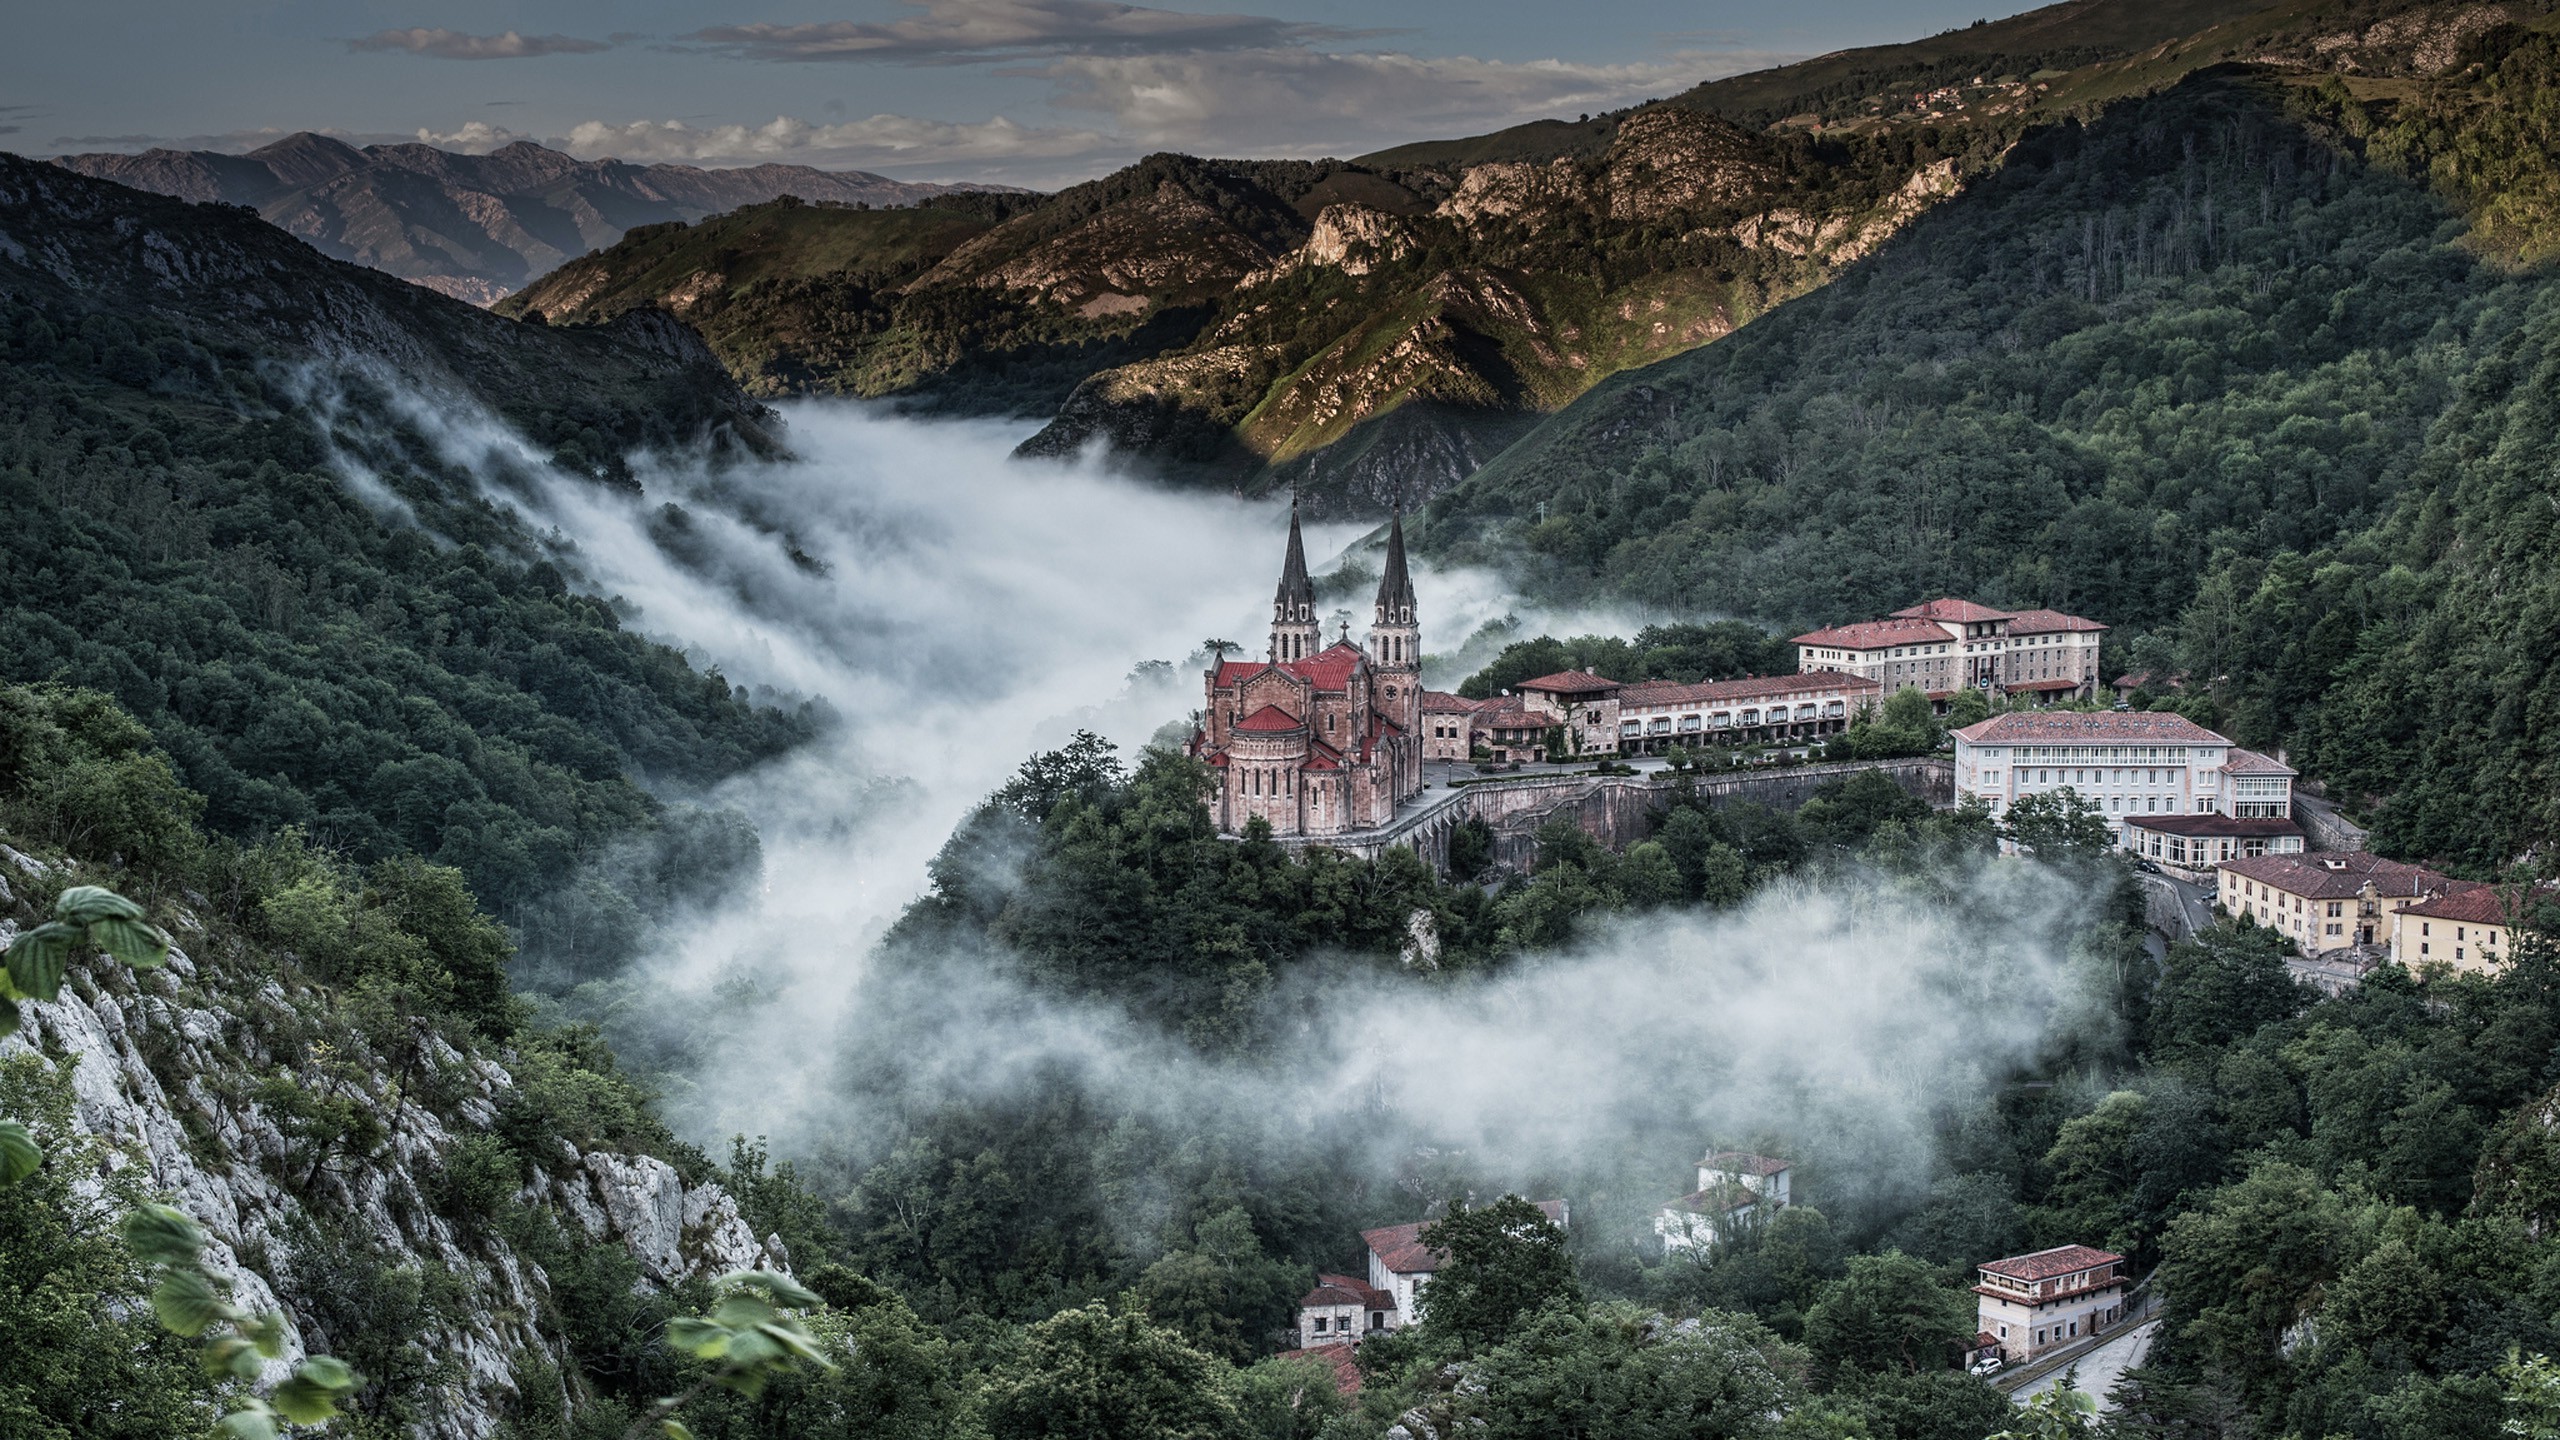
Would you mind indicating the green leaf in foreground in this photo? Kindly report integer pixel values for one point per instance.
(19, 1156)
(39, 958)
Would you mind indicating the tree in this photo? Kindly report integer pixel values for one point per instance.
(1970, 707)
(1222, 1294)
(1506, 1260)
(2058, 825)
(1093, 1374)
(1889, 1313)
(1616, 1371)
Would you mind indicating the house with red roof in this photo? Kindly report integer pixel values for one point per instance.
(2030, 1304)
(1401, 1266)
(2169, 789)
(2335, 901)
(1945, 645)
(2469, 927)
(1449, 730)
(1318, 739)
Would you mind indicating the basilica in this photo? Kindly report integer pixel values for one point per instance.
(1319, 739)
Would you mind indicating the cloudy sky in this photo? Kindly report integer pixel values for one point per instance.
(1031, 91)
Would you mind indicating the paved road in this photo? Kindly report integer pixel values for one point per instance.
(2195, 902)
(2100, 1367)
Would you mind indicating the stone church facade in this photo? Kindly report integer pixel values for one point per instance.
(1319, 739)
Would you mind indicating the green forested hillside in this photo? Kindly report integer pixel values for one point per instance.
(179, 536)
(2195, 368)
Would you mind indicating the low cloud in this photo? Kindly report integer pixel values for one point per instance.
(969, 31)
(879, 140)
(472, 137)
(456, 45)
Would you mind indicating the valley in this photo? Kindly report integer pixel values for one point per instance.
(751, 846)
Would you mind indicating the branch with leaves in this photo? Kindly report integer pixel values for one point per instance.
(189, 1300)
(749, 1338)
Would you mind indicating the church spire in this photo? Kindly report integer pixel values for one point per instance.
(1294, 632)
(1395, 635)
(1395, 587)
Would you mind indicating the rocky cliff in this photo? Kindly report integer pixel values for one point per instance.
(202, 1076)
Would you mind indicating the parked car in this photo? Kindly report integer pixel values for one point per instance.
(1987, 1365)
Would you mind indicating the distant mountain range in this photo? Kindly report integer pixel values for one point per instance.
(476, 227)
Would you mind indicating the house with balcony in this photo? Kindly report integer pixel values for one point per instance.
(2027, 1305)
(1656, 716)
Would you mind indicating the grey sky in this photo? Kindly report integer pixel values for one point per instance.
(1032, 91)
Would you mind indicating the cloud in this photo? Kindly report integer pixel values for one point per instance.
(471, 137)
(455, 45)
(879, 140)
(1360, 100)
(969, 31)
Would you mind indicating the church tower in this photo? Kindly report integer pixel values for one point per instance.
(1295, 635)
(1395, 654)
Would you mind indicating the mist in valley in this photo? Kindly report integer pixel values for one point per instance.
(955, 611)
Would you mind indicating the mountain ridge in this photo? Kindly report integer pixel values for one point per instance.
(475, 227)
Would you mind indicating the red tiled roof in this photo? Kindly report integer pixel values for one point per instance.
(2047, 622)
(1269, 719)
(1877, 635)
(1347, 1290)
(2060, 1260)
(2474, 904)
(1743, 1162)
(1569, 682)
(1329, 668)
(2250, 762)
(2212, 825)
(2026, 727)
(1949, 608)
(1435, 702)
(1400, 1249)
(1346, 1364)
(2340, 877)
(1515, 719)
(2043, 687)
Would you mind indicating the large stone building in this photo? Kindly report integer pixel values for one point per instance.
(1946, 645)
(1656, 715)
(1319, 739)
(2156, 777)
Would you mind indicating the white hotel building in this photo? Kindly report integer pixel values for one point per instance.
(2170, 789)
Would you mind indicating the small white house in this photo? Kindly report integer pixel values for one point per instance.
(1735, 1189)
(1401, 1265)
(1342, 1310)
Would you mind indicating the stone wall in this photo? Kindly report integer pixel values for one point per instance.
(1616, 810)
